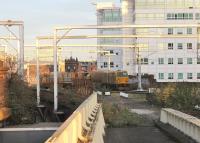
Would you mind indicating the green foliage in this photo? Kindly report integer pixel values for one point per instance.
(21, 100)
(163, 93)
(184, 98)
(180, 96)
(116, 116)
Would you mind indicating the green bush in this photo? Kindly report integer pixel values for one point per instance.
(180, 96)
(184, 98)
(21, 100)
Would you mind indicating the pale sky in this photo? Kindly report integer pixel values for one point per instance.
(40, 16)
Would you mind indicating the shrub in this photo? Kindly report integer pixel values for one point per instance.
(21, 100)
(180, 96)
(184, 98)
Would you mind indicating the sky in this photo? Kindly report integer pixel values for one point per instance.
(40, 16)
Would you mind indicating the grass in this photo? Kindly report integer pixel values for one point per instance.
(116, 116)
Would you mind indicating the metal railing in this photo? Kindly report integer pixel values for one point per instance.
(86, 124)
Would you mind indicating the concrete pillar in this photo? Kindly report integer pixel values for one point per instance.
(163, 116)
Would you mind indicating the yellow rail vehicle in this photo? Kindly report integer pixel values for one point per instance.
(122, 78)
(110, 78)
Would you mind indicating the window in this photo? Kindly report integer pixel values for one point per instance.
(169, 16)
(111, 51)
(179, 31)
(111, 64)
(180, 75)
(170, 61)
(149, 16)
(198, 44)
(185, 16)
(180, 45)
(111, 15)
(105, 64)
(197, 15)
(117, 53)
(170, 46)
(180, 61)
(189, 45)
(198, 60)
(189, 75)
(117, 66)
(180, 16)
(189, 61)
(170, 76)
(189, 30)
(170, 31)
(161, 75)
(190, 16)
(160, 61)
(145, 61)
(198, 75)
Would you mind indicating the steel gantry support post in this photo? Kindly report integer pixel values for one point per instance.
(56, 41)
(55, 61)
(109, 59)
(38, 72)
(21, 50)
(20, 40)
(139, 71)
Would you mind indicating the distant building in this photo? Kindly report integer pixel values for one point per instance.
(168, 59)
(88, 66)
(79, 67)
(109, 14)
(30, 72)
(71, 65)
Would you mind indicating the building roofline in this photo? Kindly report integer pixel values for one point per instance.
(106, 5)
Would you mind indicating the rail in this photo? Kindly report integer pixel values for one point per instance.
(185, 123)
(86, 124)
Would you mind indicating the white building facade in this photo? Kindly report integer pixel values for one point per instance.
(168, 59)
(109, 14)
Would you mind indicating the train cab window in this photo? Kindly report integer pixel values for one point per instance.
(122, 74)
(125, 74)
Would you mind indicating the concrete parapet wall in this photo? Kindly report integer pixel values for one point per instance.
(71, 131)
(25, 135)
(187, 124)
(99, 131)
